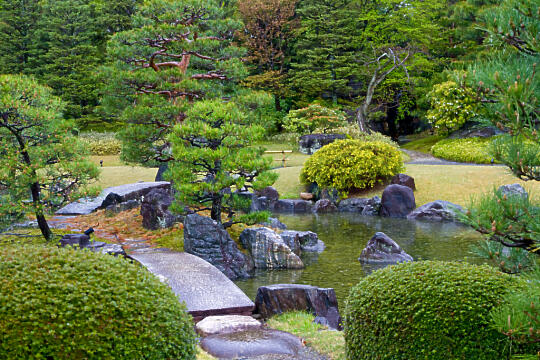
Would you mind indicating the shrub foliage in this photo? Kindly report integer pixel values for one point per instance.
(472, 150)
(306, 120)
(101, 143)
(68, 304)
(348, 164)
(426, 310)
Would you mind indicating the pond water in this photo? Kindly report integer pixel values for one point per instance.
(345, 235)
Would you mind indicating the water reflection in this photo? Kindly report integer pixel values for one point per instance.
(345, 235)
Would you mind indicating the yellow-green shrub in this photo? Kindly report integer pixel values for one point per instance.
(353, 131)
(101, 143)
(306, 120)
(72, 304)
(350, 163)
(428, 310)
(473, 150)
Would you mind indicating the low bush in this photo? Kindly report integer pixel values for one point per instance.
(427, 310)
(352, 164)
(69, 304)
(101, 143)
(306, 120)
(352, 131)
(471, 150)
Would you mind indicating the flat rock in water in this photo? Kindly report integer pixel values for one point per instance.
(438, 210)
(224, 324)
(205, 290)
(125, 192)
(381, 249)
(248, 344)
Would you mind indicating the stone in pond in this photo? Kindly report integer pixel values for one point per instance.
(296, 206)
(353, 205)
(274, 223)
(308, 240)
(248, 344)
(438, 210)
(205, 238)
(279, 298)
(213, 325)
(380, 249)
(397, 201)
(268, 250)
(324, 206)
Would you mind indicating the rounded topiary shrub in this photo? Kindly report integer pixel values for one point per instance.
(348, 164)
(427, 310)
(68, 304)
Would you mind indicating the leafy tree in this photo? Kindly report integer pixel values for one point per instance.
(37, 152)
(267, 35)
(178, 52)
(314, 117)
(213, 153)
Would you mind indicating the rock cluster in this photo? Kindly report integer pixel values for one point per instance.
(82, 241)
(380, 249)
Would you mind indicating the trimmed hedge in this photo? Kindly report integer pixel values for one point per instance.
(348, 164)
(69, 304)
(427, 310)
(471, 150)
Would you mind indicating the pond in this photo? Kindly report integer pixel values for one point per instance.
(345, 235)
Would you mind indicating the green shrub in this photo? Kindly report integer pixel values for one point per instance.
(472, 150)
(306, 120)
(427, 310)
(451, 106)
(68, 304)
(348, 164)
(101, 143)
(353, 131)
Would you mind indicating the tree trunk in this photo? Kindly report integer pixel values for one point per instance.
(215, 213)
(40, 217)
(361, 118)
(277, 102)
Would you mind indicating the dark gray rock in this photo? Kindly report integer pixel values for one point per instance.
(295, 206)
(310, 143)
(353, 205)
(513, 190)
(405, 180)
(82, 241)
(75, 240)
(473, 130)
(308, 240)
(274, 223)
(397, 201)
(260, 204)
(438, 210)
(372, 207)
(324, 206)
(123, 206)
(277, 299)
(161, 170)
(122, 193)
(113, 249)
(205, 238)
(269, 193)
(155, 210)
(253, 343)
(380, 249)
(268, 250)
(224, 324)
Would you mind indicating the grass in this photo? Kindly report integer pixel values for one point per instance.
(326, 342)
(423, 143)
(119, 175)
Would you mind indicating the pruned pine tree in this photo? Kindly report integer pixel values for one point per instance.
(214, 158)
(177, 53)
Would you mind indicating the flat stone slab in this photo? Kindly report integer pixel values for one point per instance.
(224, 324)
(247, 344)
(205, 290)
(86, 206)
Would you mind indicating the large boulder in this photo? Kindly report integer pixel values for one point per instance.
(405, 180)
(268, 250)
(295, 206)
(307, 240)
(513, 190)
(111, 196)
(205, 238)
(380, 249)
(268, 192)
(324, 206)
(310, 143)
(155, 210)
(364, 206)
(438, 210)
(277, 299)
(397, 201)
(274, 223)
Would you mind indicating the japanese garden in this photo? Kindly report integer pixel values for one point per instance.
(270, 179)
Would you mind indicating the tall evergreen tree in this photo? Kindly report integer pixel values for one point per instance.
(178, 52)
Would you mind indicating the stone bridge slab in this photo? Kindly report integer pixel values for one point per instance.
(205, 290)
